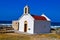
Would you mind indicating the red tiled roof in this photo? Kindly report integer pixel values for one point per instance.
(39, 18)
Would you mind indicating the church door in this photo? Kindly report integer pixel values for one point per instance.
(25, 26)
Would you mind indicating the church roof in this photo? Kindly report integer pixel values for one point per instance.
(42, 17)
(46, 17)
(39, 17)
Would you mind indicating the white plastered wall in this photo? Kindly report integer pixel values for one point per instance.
(30, 25)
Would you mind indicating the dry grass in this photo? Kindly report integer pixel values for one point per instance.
(16, 36)
(13, 36)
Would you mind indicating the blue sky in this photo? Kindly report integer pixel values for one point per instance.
(13, 9)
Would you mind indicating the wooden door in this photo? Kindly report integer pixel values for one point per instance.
(25, 27)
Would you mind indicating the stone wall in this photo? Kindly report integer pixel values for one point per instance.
(15, 25)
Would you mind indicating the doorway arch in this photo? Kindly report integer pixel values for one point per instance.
(25, 26)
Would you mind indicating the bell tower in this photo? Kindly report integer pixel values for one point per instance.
(26, 9)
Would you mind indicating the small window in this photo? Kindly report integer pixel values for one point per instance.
(29, 29)
(16, 22)
(25, 21)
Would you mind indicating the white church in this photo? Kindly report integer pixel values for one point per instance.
(32, 24)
